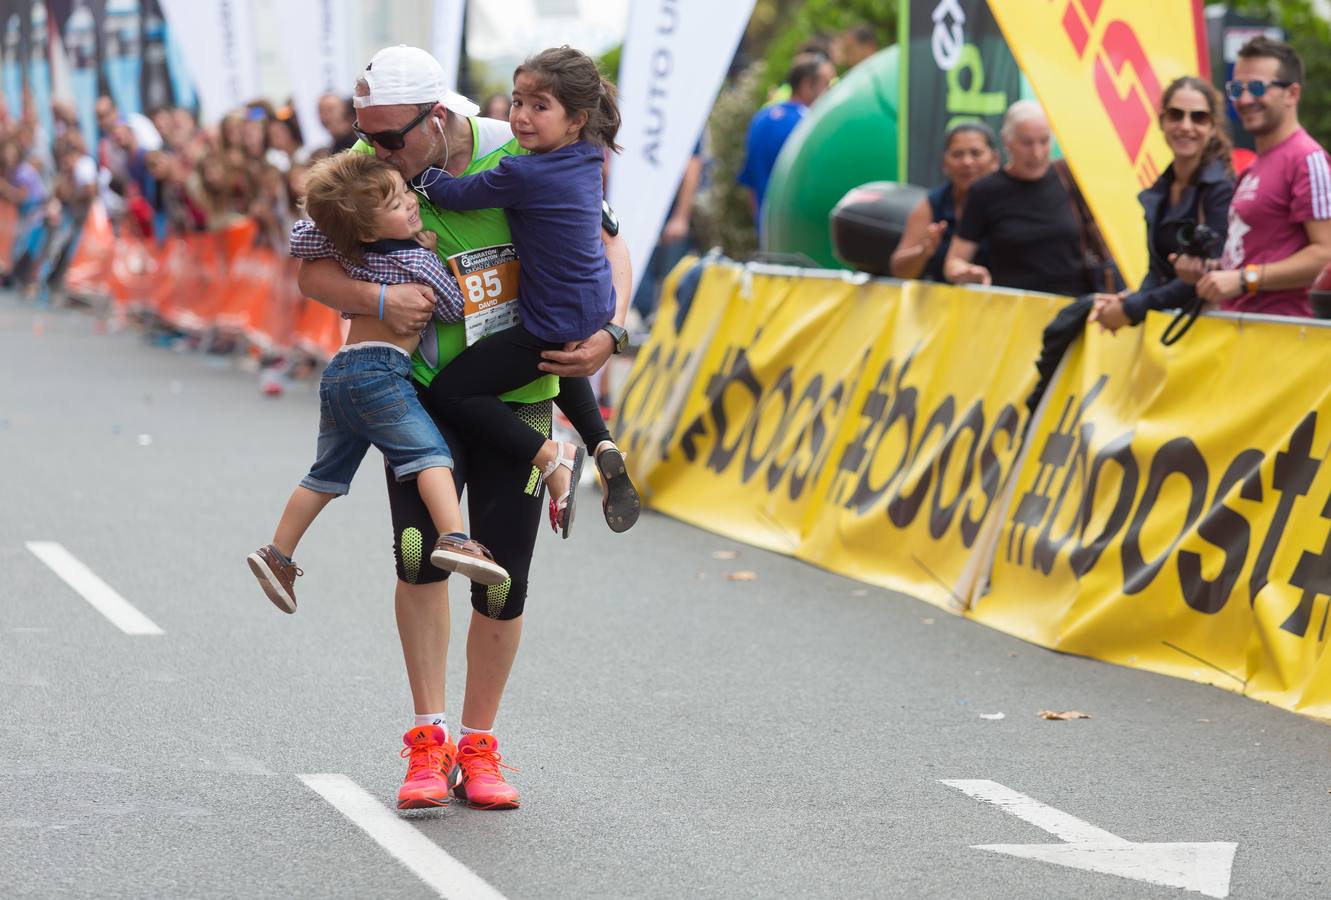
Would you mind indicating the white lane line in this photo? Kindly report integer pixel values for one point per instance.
(444, 874)
(101, 595)
(1055, 821)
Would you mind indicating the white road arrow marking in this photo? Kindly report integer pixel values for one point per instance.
(1204, 868)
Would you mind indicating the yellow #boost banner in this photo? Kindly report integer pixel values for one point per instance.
(1173, 511)
(1099, 67)
(864, 427)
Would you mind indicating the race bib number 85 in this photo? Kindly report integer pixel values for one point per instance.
(489, 279)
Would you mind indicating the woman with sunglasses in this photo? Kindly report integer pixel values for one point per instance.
(1186, 208)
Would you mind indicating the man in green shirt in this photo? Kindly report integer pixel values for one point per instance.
(408, 117)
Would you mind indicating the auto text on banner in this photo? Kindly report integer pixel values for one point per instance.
(1099, 67)
(316, 48)
(1172, 513)
(219, 44)
(676, 53)
(957, 68)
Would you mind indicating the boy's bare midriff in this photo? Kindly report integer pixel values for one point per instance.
(364, 328)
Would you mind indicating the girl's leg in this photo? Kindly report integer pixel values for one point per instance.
(466, 392)
(301, 511)
(577, 400)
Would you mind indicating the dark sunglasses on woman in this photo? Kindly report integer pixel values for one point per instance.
(1258, 89)
(1174, 115)
(390, 140)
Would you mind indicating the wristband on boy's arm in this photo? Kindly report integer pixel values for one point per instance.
(382, 288)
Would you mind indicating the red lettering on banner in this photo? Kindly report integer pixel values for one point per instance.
(1132, 109)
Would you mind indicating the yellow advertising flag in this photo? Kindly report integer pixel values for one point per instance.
(1099, 67)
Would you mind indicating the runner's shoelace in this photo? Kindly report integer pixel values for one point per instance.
(482, 762)
(423, 756)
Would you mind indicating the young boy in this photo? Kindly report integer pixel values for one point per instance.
(364, 216)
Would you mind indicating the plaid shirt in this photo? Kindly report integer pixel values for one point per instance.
(410, 265)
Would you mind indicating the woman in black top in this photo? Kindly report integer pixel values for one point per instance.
(970, 152)
(1025, 214)
(1195, 189)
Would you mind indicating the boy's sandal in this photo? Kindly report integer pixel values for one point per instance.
(621, 503)
(561, 507)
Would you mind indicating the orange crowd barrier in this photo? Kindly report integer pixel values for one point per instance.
(218, 281)
(8, 231)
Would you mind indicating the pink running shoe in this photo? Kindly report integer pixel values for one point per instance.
(477, 780)
(430, 756)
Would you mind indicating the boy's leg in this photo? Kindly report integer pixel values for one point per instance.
(301, 511)
(441, 499)
(338, 456)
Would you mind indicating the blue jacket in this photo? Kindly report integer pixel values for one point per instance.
(553, 204)
(1210, 194)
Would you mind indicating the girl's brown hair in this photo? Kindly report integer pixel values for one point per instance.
(1219, 147)
(572, 77)
(343, 194)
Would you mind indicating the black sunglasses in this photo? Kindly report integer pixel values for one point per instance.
(1198, 116)
(391, 140)
(1258, 89)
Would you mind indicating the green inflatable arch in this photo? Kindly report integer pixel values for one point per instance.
(847, 139)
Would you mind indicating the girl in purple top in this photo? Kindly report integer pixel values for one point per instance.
(564, 114)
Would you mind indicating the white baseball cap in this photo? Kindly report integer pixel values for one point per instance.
(402, 74)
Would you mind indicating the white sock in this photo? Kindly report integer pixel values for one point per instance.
(440, 719)
(466, 731)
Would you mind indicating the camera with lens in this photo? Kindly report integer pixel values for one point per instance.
(1198, 240)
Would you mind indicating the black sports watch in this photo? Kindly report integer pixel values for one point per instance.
(620, 336)
(609, 221)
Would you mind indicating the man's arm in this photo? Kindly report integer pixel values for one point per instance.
(1291, 273)
(1299, 270)
(585, 357)
(407, 307)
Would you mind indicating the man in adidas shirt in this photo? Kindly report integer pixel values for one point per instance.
(1280, 218)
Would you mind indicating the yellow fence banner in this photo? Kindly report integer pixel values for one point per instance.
(863, 426)
(1129, 51)
(1172, 510)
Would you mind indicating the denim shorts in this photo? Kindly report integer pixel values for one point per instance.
(366, 397)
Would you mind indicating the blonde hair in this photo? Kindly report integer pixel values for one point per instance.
(343, 194)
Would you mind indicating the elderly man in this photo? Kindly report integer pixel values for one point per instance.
(407, 117)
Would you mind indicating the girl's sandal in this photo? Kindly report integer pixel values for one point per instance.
(561, 507)
(621, 503)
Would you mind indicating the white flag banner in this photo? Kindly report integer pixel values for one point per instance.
(218, 40)
(676, 53)
(316, 46)
(447, 43)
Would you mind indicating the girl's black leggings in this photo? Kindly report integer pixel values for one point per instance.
(465, 394)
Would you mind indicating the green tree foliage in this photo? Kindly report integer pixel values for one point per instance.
(1310, 35)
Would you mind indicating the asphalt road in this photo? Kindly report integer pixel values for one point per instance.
(677, 734)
